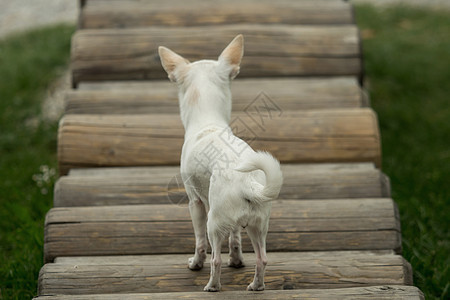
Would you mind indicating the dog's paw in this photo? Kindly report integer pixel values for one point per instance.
(194, 264)
(212, 288)
(236, 263)
(254, 287)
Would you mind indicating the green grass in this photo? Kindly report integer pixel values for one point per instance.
(407, 61)
(28, 64)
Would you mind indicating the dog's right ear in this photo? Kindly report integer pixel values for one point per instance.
(171, 62)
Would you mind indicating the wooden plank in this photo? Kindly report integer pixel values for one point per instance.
(162, 96)
(169, 273)
(349, 135)
(160, 260)
(347, 224)
(130, 13)
(149, 171)
(163, 185)
(384, 292)
(275, 50)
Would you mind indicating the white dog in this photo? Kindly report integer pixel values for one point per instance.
(229, 185)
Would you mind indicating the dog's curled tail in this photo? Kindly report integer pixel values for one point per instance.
(264, 161)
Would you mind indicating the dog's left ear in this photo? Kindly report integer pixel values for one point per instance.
(171, 61)
(232, 55)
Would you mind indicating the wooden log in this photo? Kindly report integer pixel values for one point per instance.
(162, 96)
(148, 171)
(292, 136)
(275, 50)
(130, 13)
(169, 273)
(163, 185)
(384, 292)
(347, 224)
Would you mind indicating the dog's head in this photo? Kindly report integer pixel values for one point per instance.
(226, 67)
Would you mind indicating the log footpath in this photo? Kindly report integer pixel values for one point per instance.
(120, 227)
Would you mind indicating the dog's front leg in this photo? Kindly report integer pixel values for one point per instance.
(215, 239)
(198, 216)
(236, 260)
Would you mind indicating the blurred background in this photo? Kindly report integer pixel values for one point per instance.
(19, 15)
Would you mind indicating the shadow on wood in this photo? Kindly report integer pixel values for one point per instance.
(307, 225)
(145, 97)
(163, 185)
(169, 273)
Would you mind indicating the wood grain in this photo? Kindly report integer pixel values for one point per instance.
(349, 135)
(308, 225)
(163, 185)
(130, 13)
(149, 171)
(384, 292)
(275, 50)
(162, 96)
(169, 273)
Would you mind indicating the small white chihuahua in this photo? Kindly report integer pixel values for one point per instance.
(229, 185)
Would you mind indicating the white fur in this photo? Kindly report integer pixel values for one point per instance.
(229, 185)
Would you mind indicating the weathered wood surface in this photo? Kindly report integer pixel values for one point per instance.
(131, 13)
(162, 96)
(270, 51)
(163, 185)
(349, 135)
(384, 292)
(148, 171)
(169, 273)
(347, 224)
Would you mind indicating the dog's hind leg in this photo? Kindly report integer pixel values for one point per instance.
(258, 238)
(236, 260)
(198, 215)
(216, 237)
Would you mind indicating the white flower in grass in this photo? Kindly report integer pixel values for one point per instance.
(44, 179)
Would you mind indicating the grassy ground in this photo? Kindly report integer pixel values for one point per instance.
(28, 64)
(407, 59)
